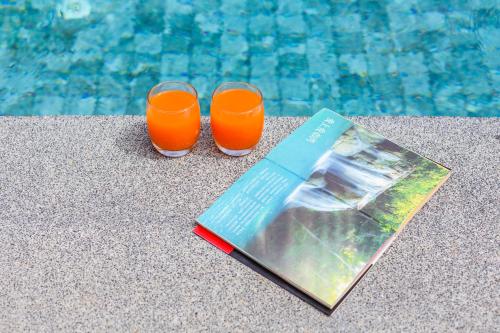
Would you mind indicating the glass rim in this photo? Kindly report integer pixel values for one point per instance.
(149, 95)
(259, 93)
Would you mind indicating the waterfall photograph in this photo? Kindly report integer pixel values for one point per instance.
(359, 194)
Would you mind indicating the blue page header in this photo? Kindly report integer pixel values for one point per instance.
(300, 150)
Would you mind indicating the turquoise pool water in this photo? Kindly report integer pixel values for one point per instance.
(392, 57)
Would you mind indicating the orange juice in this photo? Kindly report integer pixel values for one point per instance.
(237, 118)
(173, 118)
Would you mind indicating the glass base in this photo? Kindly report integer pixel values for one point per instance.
(171, 153)
(231, 152)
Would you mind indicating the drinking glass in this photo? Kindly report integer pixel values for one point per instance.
(173, 118)
(236, 117)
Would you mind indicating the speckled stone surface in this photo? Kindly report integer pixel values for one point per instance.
(95, 235)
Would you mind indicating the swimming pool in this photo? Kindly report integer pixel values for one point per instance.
(393, 57)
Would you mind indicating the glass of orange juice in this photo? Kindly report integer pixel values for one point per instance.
(173, 118)
(237, 117)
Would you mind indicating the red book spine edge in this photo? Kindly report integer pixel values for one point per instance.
(213, 239)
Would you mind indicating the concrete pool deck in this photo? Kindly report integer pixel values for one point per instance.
(95, 235)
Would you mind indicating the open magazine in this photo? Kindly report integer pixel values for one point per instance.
(322, 206)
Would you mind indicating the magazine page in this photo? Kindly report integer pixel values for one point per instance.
(322, 203)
